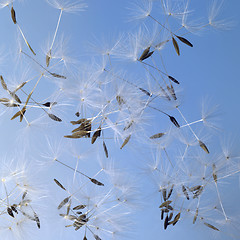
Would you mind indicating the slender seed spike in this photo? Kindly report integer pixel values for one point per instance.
(13, 15)
(59, 184)
(195, 216)
(37, 220)
(211, 226)
(19, 113)
(172, 92)
(158, 135)
(170, 216)
(79, 207)
(170, 192)
(185, 192)
(164, 193)
(184, 40)
(174, 121)
(49, 104)
(164, 204)
(175, 44)
(175, 220)
(144, 54)
(4, 85)
(105, 149)
(57, 75)
(55, 118)
(64, 202)
(96, 135)
(48, 57)
(24, 195)
(78, 121)
(125, 141)
(13, 207)
(15, 96)
(6, 100)
(214, 172)
(162, 214)
(96, 182)
(19, 87)
(166, 222)
(30, 48)
(195, 188)
(173, 79)
(203, 146)
(145, 91)
(148, 55)
(10, 212)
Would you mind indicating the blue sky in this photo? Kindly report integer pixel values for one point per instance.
(207, 73)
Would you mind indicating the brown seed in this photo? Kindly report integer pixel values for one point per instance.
(13, 15)
(214, 173)
(184, 40)
(164, 194)
(19, 113)
(195, 216)
(175, 44)
(96, 135)
(175, 220)
(10, 212)
(146, 92)
(144, 54)
(57, 75)
(96, 182)
(59, 184)
(203, 146)
(15, 96)
(174, 121)
(77, 114)
(120, 100)
(19, 87)
(211, 226)
(64, 202)
(162, 214)
(48, 57)
(166, 222)
(170, 216)
(4, 85)
(79, 207)
(157, 135)
(35, 54)
(170, 192)
(125, 141)
(185, 192)
(173, 79)
(164, 204)
(37, 220)
(78, 121)
(54, 117)
(24, 195)
(105, 149)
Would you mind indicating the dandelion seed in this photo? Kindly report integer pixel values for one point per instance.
(59, 184)
(57, 75)
(13, 15)
(78, 121)
(176, 219)
(125, 141)
(157, 135)
(79, 207)
(105, 149)
(24, 195)
(19, 113)
(164, 194)
(14, 209)
(4, 85)
(184, 40)
(185, 192)
(55, 118)
(195, 216)
(77, 114)
(170, 216)
(214, 173)
(172, 92)
(49, 104)
(211, 226)
(166, 222)
(48, 57)
(164, 204)
(37, 220)
(175, 44)
(170, 192)
(15, 96)
(96, 182)
(173, 79)
(162, 214)
(144, 54)
(96, 135)
(174, 121)
(64, 202)
(145, 91)
(203, 146)
(10, 212)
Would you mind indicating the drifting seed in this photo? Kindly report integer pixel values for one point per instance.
(128, 126)
(13, 207)
(214, 173)
(145, 91)
(211, 226)
(198, 192)
(172, 92)
(148, 55)
(78, 121)
(10, 212)
(164, 204)
(59, 184)
(96, 135)
(195, 216)
(125, 141)
(64, 201)
(13, 14)
(170, 216)
(195, 188)
(24, 195)
(97, 237)
(54, 117)
(96, 182)
(175, 44)
(185, 192)
(57, 75)
(49, 104)
(105, 149)
(170, 192)
(173, 79)
(48, 57)
(203, 146)
(4, 85)
(15, 96)
(175, 220)
(19, 87)
(19, 113)
(162, 214)
(164, 193)
(174, 121)
(144, 54)
(77, 114)
(184, 40)
(166, 222)
(79, 207)
(37, 220)
(158, 135)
